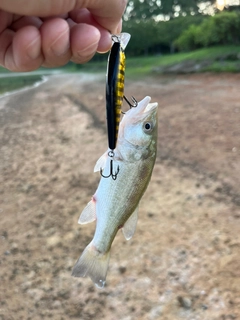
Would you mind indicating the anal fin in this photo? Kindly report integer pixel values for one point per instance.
(130, 225)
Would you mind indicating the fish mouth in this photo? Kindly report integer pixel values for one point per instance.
(147, 108)
(144, 107)
(151, 107)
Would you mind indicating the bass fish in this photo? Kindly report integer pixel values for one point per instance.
(115, 86)
(114, 206)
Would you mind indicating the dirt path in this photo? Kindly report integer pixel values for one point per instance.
(183, 262)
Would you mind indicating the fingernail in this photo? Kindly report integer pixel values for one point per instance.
(106, 43)
(34, 49)
(89, 50)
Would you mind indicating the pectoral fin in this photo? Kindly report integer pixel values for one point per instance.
(88, 214)
(130, 225)
(101, 163)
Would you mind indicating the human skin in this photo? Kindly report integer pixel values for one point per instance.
(50, 33)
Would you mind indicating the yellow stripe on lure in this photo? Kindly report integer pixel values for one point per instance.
(115, 86)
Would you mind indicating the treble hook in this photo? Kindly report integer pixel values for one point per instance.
(111, 174)
(134, 103)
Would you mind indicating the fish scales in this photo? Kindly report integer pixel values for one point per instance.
(114, 205)
(110, 195)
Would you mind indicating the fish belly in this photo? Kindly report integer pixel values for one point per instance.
(117, 199)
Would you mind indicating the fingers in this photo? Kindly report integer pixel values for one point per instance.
(55, 35)
(107, 13)
(27, 42)
(26, 48)
(84, 42)
(6, 39)
(21, 51)
(29, 46)
(41, 8)
(84, 16)
(62, 41)
(53, 45)
(21, 22)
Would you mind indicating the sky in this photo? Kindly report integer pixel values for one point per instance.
(222, 3)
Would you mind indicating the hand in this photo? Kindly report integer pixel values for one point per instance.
(51, 32)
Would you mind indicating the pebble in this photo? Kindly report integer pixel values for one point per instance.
(122, 269)
(53, 241)
(185, 302)
(14, 248)
(36, 294)
(31, 274)
(56, 304)
(26, 285)
(156, 312)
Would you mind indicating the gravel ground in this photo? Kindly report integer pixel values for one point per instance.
(183, 261)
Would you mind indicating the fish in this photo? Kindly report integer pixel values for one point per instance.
(115, 203)
(115, 86)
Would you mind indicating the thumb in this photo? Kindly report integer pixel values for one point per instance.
(108, 13)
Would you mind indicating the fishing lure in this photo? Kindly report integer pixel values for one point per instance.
(115, 94)
(115, 86)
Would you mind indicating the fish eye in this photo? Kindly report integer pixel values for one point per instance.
(148, 126)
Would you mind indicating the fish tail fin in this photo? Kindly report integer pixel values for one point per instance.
(94, 264)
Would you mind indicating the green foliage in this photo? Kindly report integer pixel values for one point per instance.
(223, 58)
(149, 36)
(219, 55)
(171, 30)
(221, 29)
(17, 82)
(143, 36)
(225, 66)
(148, 9)
(227, 25)
(138, 10)
(3, 70)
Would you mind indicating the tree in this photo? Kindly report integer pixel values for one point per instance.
(221, 29)
(149, 36)
(146, 9)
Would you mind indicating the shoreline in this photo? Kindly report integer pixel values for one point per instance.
(24, 88)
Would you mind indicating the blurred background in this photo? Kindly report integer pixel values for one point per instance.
(183, 261)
